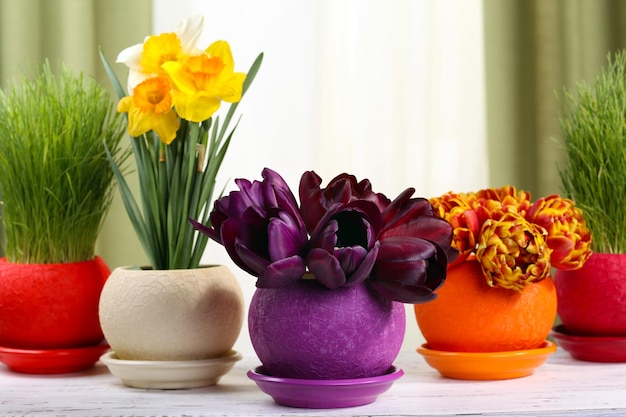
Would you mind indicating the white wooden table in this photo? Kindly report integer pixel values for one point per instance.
(561, 387)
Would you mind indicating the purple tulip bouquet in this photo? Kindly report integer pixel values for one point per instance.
(343, 235)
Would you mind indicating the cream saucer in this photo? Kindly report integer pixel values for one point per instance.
(170, 374)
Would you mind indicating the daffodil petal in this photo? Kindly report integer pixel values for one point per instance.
(230, 87)
(196, 107)
(139, 122)
(135, 78)
(189, 32)
(125, 104)
(222, 49)
(131, 56)
(166, 126)
(179, 77)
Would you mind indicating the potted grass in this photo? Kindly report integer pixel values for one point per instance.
(593, 128)
(56, 188)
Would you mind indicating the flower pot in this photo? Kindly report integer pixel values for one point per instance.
(171, 315)
(470, 316)
(591, 299)
(51, 306)
(307, 331)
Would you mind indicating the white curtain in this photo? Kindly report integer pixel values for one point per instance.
(392, 91)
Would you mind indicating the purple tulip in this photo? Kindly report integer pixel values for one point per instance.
(415, 248)
(342, 189)
(406, 216)
(401, 247)
(261, 228)
(343, 246)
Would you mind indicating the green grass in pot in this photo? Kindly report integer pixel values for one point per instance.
(56, 180)
(593, 128)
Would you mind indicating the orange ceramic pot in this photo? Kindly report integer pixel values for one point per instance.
(470, 316)
(592, 298)
(51, 306)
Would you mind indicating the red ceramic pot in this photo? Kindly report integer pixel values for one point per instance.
(592, 299)
(307, 331)
(51, 306)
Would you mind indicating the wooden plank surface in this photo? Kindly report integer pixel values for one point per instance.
(561, 387)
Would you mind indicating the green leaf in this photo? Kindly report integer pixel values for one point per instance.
(117, 86)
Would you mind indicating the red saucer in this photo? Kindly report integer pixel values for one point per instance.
(52, 361)
(591, 348)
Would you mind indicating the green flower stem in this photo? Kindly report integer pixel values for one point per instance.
(175, 189)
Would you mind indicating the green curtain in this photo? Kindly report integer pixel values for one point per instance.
(534, 48)
(70, 31)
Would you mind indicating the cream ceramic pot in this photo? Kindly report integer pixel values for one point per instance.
(186, 314)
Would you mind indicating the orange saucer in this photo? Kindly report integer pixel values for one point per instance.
(487, 365)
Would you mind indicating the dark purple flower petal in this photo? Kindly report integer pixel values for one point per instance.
(343, 189)
(326, 268)
(405, 248)
(410, 294)
(284, 237)
(210, 232)
(282, 272)
(403, 207)
(326, 236)
(415, 217)
(350, 257)
(364, 269)
(247, 259)
(411, 265)
(407, 272)
(404, 259)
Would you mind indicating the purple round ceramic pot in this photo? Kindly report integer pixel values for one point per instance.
(307, 331)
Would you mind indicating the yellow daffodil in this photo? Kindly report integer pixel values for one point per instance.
(203, 81)
(151, 108)
(144, 60)
(173, 85)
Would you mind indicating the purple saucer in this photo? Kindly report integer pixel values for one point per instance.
(324, 393)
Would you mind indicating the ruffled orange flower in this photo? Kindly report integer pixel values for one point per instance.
(494, 203)
(513, 253)
(456, 210)
(508, 195)
(568, 235)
